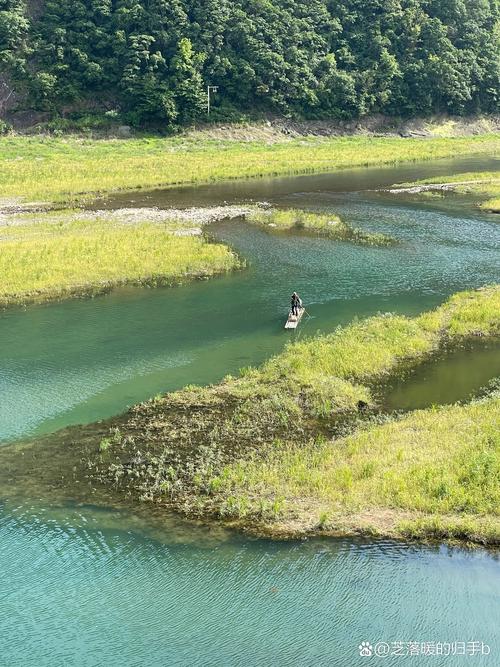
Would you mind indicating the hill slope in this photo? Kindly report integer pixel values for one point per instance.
(149, 61)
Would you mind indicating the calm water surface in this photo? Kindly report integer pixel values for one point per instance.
(89, 587)
(95, 588)
(455, 376)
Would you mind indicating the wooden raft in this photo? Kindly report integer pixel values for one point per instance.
(293, 320)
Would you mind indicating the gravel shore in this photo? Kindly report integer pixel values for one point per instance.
(188, 221)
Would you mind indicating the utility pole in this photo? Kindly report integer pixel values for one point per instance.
(210, 89)
(6, 93)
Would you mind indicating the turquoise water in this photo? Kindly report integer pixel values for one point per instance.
(82, 360)
(90, 587)
(94, 588)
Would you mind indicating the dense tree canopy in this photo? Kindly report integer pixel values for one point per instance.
(151, 60)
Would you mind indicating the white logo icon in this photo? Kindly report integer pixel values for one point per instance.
(365, 649)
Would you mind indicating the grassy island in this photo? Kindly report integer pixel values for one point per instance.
(484, 187)
(433, 473)
(301, 445)
(316, 224)
(66, 253)
(44, 261)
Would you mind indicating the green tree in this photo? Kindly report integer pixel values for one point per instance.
(187, 83)
(14, 28)
(307, 58)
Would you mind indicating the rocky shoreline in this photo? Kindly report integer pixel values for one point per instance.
(12, 210)
(440, 187)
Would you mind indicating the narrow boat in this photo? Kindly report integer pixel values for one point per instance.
(293, 320)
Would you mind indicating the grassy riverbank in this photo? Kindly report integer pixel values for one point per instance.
(269, 450)
(43, 261)
(64, 253)
(483, 186)
(61, 169)
(90, 257)
(433, 473)
(318, 224)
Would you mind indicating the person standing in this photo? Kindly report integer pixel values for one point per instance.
(296, 304)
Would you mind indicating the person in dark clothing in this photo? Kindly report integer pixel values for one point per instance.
(296, 304)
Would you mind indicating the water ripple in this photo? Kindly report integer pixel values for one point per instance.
(76, 593)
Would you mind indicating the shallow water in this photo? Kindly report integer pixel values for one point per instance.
(94, 587)
(455, 376)
(90, 588)
(82, 360)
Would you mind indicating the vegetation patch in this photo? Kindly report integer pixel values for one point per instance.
(319, 224)
(66, 169)
(483, 186)
(491, 205)
(70, 252)
(42, 261)
(269, 450)
(313, 60)
(442, 466)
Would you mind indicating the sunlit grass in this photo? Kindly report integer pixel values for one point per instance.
(485, 186)
(491, 205)
(372, 347)
(55, 169)
(49, 260)
(320, 224)
(361, 350)
(443, 463)
(466, 178)
(254, 448)
(469, 314)
(292, 218)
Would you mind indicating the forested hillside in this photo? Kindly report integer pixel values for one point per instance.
(149, 61)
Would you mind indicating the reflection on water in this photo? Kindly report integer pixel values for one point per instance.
(81, 360)
(455, 376)
(342, 181)
(81, 587)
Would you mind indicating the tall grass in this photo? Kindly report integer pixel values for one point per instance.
(373, 347)
(491, 205)
(55, 169)
(46, 261)
(292, 218)
(442, 463)
(466, 179)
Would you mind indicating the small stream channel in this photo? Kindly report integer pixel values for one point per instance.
(455, 375)
(81, 360)
(89, 587)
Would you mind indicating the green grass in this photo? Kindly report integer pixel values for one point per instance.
(441, 465)
(320, 224)
(253, 448)
(491, 205)
(61, 169)
(286, 219)
(485, 186)
(43, 261)
(373, 347)
(470, 177)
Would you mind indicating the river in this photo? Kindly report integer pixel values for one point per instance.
(87, 586)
